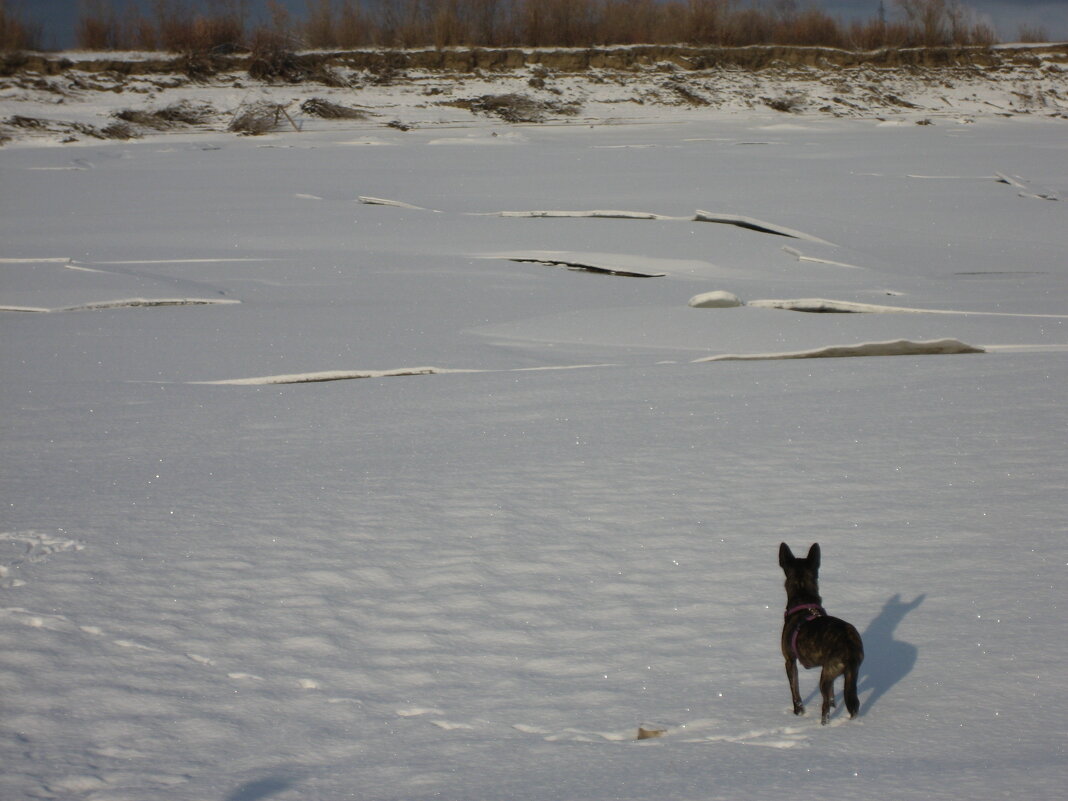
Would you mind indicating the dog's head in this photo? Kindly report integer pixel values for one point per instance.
(802, 575)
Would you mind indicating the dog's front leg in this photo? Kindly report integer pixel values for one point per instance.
(795, 690)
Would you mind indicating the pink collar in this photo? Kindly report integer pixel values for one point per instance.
(816, 608)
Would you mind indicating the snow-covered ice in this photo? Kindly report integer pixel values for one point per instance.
(228, 573)
(896, 347)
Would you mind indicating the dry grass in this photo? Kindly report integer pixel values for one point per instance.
(514, 107)
(318, 107)
(259, 118)
(176, 115)
(493, 23)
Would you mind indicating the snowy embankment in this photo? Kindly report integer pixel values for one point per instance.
(229, 572)
(72, 97)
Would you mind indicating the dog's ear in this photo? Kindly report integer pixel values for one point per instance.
(786, 556)
(814, 556)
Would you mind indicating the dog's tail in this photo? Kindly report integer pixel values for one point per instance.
(851, 672)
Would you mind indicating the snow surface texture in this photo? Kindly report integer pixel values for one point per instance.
(483, 579)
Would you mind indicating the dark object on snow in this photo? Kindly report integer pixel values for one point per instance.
(814, 638)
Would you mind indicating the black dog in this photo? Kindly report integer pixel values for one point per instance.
(812, 637)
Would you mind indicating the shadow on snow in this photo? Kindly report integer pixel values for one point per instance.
(886, 660)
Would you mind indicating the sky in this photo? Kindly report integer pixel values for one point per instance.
(59, 17)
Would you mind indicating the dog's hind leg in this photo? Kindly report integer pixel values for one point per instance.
(795, 690)
(852, 702)
(827, 691)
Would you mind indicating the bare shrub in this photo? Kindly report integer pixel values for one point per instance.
(877, 33)
(790, 102)
(98, 28)
(685, 94)
(491, 23)
(180, 32)
(31, 123)
(15, 32)
(120, 130)
(555, 22)
(257, 118)
(187, 112)
(140, 117)
(514, 107)
(272, 59)
(318, 107)
(935, 23)
(182, 113)
(1032, 33)
(748, 27)
(809, 27)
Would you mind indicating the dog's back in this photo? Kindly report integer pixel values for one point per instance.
(834, 645)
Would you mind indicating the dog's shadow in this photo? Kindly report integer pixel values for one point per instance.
(886, 660)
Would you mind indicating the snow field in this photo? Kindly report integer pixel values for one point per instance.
(481, 580)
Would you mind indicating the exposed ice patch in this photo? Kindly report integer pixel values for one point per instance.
(379, 201)
(347, 375)
(1049, 347)
(1010, 180)
(611, 214)
(948, 177)
(127, 303)
(590, 268)
(1025, 191)
(825, 305)
(185, 261)
(625, 264)
(896, 347)
(328, 375)
(754, 224)
(42, 260)
(802, 257)
(718, 299)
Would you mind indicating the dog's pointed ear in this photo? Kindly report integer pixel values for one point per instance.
(814, 556)
(786, 556)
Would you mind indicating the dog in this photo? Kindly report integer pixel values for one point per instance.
(814, 638)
